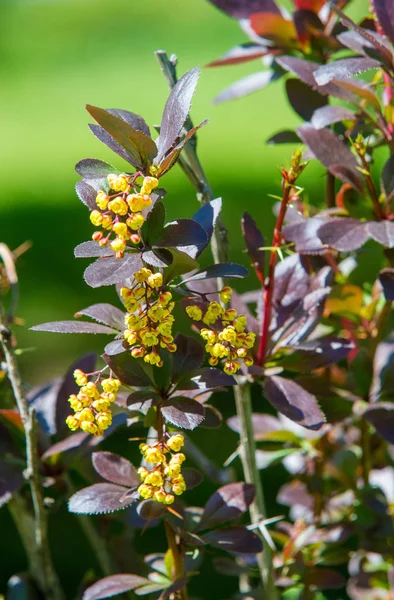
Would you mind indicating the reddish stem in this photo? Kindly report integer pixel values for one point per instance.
(268, 289)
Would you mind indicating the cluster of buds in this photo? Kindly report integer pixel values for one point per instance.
(91, 407)
(149, 320)
(120, 212)
(165, 479)
(226, 338)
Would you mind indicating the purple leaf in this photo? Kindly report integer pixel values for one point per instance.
(386, 278)
(382, 232)
(209, 377)
(240, 54)
(113, 586)
(330, 151)
(328, 115)
(254, 241)
(193, 478)
(101, 498)
(105, 313)
(295, 494)
(325, 579)
(304, 236)
(176, 111)
(283, 137)
(303, 99)
(315, 354)
(111, 270)
(384, 10)
(294, 402)
(226, 270)
(75, 440)
(141, 400)
(136, 121)
(92, 249)
(115, 347)
(243, 9)
(247, 85)
(171, 590)
(344, 68)
(183, 412)
(291, 282)
(234, 539)
(207, 215)
(87, 194)
(160, 258)
(141, 147)
(388, 177)
(73, 327)
(354, 41)
(115, 469)
(170, 159)
(213, 418)
(381, 416)
(128, 369)
(188, 357)
(186, 235)
(344, 234)
(92, 168)
(104, 137)
(151, 510)
(305, 70)
(229, 502)
(11, 479)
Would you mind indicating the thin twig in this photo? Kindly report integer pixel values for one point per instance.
(45, 573)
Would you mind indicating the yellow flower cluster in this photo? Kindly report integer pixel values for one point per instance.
(120, 212)
(228, 340)
(165, 479)
(91, 407)
(149, 320)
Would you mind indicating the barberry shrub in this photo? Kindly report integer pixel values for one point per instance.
(314, 340)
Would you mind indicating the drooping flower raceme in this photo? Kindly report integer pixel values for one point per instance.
(164, 478)
(225, 338)
(91, 406)
(149, 320)
(120, 211)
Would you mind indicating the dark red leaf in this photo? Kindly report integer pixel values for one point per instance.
(344, 69)
(87, 194)
(303, 99)
(312, 5)
(141, 147)
(92, 168)
(344, 234)
(153, 227)
(193, 478)
(330, 151)
(284, 137)
(115, 469)
(315, 354)
(113, 586)
(105, 313)
(141, 400)
(294, 402)
(247, 85)
(254, 241)
(111, 270)
(229, 502)
(188, 357)
(129, 369)
(101, 498)
(226, 270)
(325, 579)
(11, 479)
(240, 54)
(170, 159)
(92, 249)
(382, 232)
(183, 412)
(136, 121)
(208, 378)
(384, 10)
(295, 493)
(304, 236)
(151, 510)
(388, 177)
(115, 347)
(101, 134)
(234, 539)
(327, 115)
(243, 9)
(381, 416)
(186, 235)
(75, 440)
(274, 27)
(213, 418)
(291, 282)
(386, 278)
(207, 215)
(73, 327)
(176, 111)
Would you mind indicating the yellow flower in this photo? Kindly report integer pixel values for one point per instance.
(155, 280)
(165, 298)
(176, 442)
(160, 496)
(231, 367)
(72, 422)
(136, 221)
(102, 200)
(154, 455)
(80, 377)
(118, 245)
(118, 206)
(250, 339)
(121, 230)
(107, 222)
(110, 385)
(154, 170)
(138, 202)
(96, 218)
(194, 312)
(119, 183)
(240, 323)
(90, 389)
(130, 336)
(75, 403)
(248, 360)
(142, 275)
(142, 472)
(104, 419)
(169, 499)
(153, 358)
(101, 404)
(228, 335)
(220, 350)
(149, 338)
(145, 491)
(225, 294)
(173, 471)
(89, 427)
(156, 313)
(178, 458)
(154, 478)
(85, 415)
(149, 184)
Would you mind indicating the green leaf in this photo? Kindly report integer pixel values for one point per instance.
(182, 263)
(138, 144)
